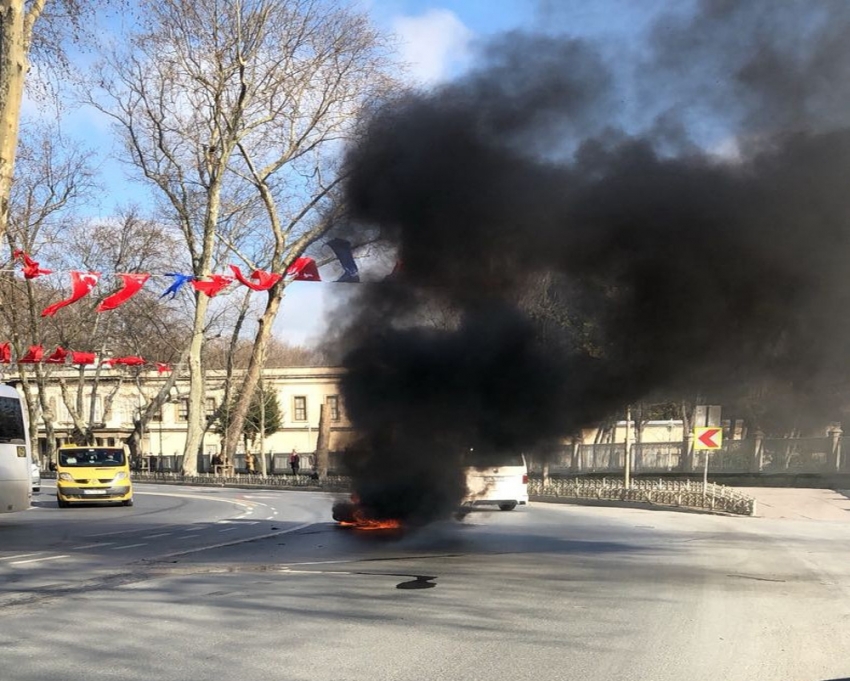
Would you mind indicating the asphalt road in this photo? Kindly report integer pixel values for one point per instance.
(236, 584)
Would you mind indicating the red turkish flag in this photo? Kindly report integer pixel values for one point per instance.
(58, 357)
(132, 284)
(128, 361)
(304, 269)
(217, 283)
(162, 368)
(81, 285)
(264, 280)
(5, 353)
(82, 357)
(30, 269)
(34, 354)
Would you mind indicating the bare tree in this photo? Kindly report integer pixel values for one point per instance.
(29, 29)
(145, 325)
(53, 176)
(223, 101)
(329, 65)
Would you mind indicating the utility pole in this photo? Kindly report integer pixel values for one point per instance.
(628, 467)
(263, 467)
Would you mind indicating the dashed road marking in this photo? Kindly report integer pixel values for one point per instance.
(36, 560)
(20, 555)
(128, 546)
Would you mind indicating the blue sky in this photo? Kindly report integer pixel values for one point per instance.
(435, 40)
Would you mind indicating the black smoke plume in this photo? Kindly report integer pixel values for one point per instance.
(582, 225)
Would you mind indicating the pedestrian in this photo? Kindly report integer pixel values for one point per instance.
(216, 463)
(294, 462)
(250, 463)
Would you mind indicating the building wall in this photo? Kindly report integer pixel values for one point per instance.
(300, 392)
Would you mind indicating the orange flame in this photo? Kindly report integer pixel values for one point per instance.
(361, 522)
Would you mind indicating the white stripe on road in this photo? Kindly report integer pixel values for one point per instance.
(154, 536)
(234, 542)
(109, 534)
(228, 529)
(129, 546)
(20, 555)
(91, 546)
(186, 536)
(36, 560)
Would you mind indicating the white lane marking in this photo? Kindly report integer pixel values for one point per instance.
(234, 542)
(91, 546)
(36, 560)
(186, 536)
(129, 546)
(154, 536)
(109, 534)
(228, 529)
(20, 555)
(235, 502)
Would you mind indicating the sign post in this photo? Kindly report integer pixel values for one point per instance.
(707, 439)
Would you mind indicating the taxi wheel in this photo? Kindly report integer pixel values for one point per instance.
(128, 502)
(507, 507)
(62, 504)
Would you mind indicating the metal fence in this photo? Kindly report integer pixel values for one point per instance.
(816, 455)
(675, 493)
(798, 455)
(277, 463)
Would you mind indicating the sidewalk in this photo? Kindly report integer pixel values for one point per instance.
(800, 504)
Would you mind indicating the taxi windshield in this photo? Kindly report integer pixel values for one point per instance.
(93, 456)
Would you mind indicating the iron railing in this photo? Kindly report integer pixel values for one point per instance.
(674, 493)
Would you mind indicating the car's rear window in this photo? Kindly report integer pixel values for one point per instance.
(477, 459)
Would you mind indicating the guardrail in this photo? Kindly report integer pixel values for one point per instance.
(673, 493)
(333, 483)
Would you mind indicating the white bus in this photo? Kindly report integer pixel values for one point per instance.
(15, 459)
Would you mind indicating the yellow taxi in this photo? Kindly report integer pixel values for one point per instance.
(93, 475)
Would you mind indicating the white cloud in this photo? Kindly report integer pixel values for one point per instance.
(432, 45)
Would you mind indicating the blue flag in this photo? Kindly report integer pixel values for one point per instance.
(179, 281)
(342, 250)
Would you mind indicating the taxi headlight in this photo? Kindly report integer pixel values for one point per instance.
(66, 476)
(121, 476)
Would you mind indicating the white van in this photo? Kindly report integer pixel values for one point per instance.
(499, 480)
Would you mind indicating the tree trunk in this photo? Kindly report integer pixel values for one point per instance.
(236, 423)
(323, 442)
(13, 69)
(195, 424)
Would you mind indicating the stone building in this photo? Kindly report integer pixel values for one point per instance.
(118, 403)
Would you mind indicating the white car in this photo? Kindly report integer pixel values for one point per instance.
(36, 477)
(500, 480)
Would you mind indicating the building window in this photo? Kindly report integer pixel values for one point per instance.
(183, 410)
(209, 406)
(333, 407)
(299, 410)
(157, 414)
